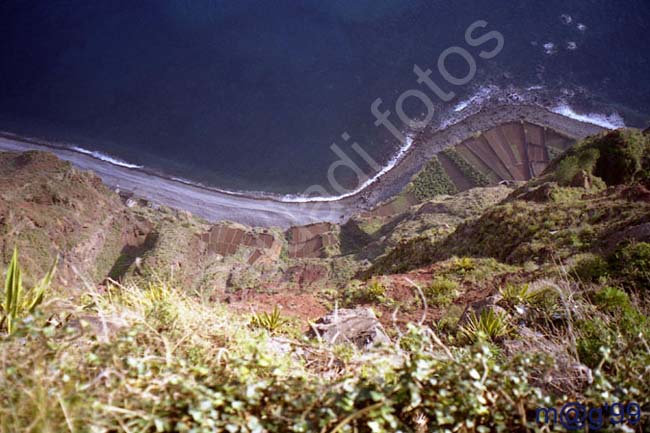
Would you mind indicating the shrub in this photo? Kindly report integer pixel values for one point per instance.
(448, 323)
(612, 300)
(571, 165)
(432, 181)
(631, 264)
(372, 292)
(627, 318)
(463, 265)
(594, 335)
(621, 156)
(441, 291)
(591, 268)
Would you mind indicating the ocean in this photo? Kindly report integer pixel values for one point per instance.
(251, 95)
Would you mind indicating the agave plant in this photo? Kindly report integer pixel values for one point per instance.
(514, 294)
(271, 322)
(489, 325)
(18, 302)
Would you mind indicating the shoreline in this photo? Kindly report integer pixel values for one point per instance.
(214, 204)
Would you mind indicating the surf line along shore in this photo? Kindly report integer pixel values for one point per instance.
(215, 205)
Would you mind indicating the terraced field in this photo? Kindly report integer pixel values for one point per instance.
(511, 151)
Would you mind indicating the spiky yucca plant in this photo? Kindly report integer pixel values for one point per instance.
(271, 322)
(490, 325)
(515, 294)
(18, 302)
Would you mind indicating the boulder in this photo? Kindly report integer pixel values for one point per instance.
(636, 233)
(540, 194)
(566, 375)
(358, 326)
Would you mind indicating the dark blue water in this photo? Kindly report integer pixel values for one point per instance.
(250, 94)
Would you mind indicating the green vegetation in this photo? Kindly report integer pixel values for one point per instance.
(572, 165)
(590, 268)
(489, 325)
(532, 301)
(617, 324)
(17, 301)
(462, 265)
(617, 157)
(514, 294)
(373, 292)
(631, 264)
(272, 322)
(206, 372)
(441, 292)
(475, 177)
(432, 181)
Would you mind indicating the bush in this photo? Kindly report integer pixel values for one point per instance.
(626, 317)
(594, 335)
(432, 181)
(631, 264)
(621, 158)
(571, 165)
(463, 265)
(373, 292)
(621, 325)
(448, 323)
(441, 292)
(591, 268)
(612, 300)
(515, 294)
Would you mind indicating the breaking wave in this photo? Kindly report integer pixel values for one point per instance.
(106, 158)
(609, 121)
(389, 166)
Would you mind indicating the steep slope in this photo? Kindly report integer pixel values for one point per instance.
(48, 208)
(592, 195)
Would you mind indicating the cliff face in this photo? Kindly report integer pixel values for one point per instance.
(48, 208)
(533, 293)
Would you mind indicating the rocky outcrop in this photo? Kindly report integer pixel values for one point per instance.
(566, 374)
(358, 326)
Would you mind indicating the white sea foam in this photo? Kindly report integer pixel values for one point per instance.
(550, 48)
(609, 121)
(477, 98)
(566, 19)
(582, 27)
(571, 45)
(392, 163)
(104, 157)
